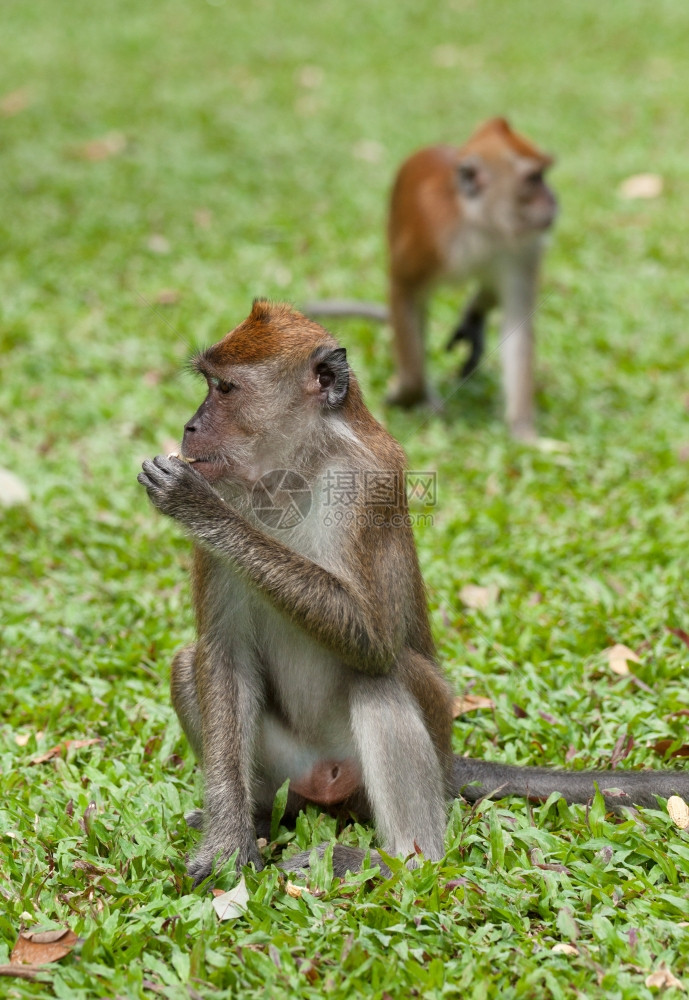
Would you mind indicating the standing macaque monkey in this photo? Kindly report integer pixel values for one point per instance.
(314, 659)
(478, 211)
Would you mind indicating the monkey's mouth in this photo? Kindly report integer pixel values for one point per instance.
(210, 466)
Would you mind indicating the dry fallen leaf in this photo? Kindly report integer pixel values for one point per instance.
(311, 76)
(61, 749)
(167, 297)
(552, 446)
(662, 747)
(446, 56)
(21, 739)
(470, 703)
(40, 947)
(679, 811)
(293, 890)
(232, 904)
(157, 243)
(203, 218)
(562, 948)
(641, 186)
(663, 978)
(14, 102)
(12, 489)
(479, 598)
(369, 150)
(103, 148)
(618, 657)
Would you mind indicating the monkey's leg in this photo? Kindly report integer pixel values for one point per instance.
(472, 328)
(518, 294)
(402, 777)
(184, 699)
(229, 704)
(401, 771)
(408, 317)
(473, 779)
(186, 705)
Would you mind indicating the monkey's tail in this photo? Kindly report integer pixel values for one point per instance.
(475, 779)
(347, 307)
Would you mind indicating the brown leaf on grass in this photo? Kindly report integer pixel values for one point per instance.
(678, 811)
(203, 218)
(157, 243)
(40, 947)
(619, 657)
(14, 102)
(662, 747)
(91, 870)
(479, 598)
(101, 149)
(622, 748)
(61, 750)
(681, 634)
(663, 978)
(470, 703)
(519, 711)
(641, 186)
(167, 297)
(535, 856)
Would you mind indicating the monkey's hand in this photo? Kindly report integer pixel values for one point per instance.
(210, 858)
(176, 489)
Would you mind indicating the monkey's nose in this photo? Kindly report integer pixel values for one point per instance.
(189, 428)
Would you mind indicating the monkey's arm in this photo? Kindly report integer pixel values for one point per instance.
(348, 621)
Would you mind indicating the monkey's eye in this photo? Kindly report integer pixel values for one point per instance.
(220, 384)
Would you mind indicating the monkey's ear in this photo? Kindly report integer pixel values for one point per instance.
(331, 373)
(471, 176)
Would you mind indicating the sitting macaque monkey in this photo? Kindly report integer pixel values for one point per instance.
(478, 212)
(314, 659)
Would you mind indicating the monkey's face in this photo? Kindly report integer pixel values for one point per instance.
(535, 205)
(267, 412)
(507, 196)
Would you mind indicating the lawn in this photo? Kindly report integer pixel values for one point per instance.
(161, 165)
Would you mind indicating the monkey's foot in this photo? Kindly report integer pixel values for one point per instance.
(524, 432)
(210, 858)
(345, 859)
(408, 397)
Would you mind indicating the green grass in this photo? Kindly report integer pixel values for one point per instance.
(588, 547)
